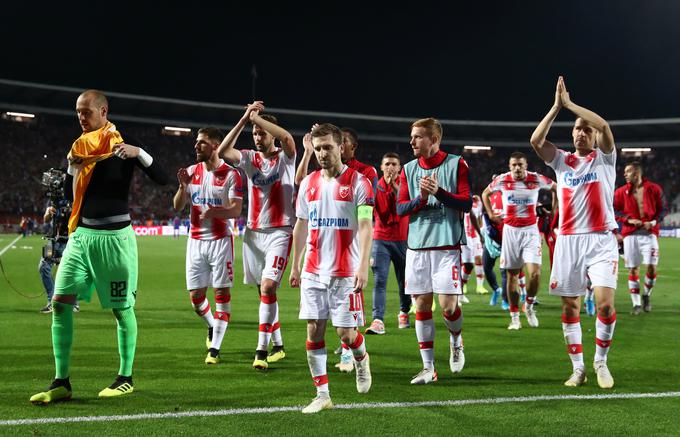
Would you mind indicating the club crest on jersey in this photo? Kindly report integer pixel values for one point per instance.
(344, 191)
(571, 161)
(553, 284)
(530, 185)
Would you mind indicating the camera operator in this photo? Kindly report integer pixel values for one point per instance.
(56, 216)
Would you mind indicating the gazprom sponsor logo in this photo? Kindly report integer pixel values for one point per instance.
(327, 222)
(196, 200)
(571, 181)
(261, 180)
(518, 200)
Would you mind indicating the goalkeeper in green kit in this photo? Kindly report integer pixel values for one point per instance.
(101, 252)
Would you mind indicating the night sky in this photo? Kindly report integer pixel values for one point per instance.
(496, 61)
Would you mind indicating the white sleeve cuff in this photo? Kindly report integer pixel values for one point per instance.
(144, 158)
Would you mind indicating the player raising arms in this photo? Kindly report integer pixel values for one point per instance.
(266, 243)
(640, 208)
(334, 211)
(214, 190)
(434, 191)
(521, 239)
(586, 246)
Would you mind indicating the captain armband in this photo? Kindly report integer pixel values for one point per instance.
(365, 212)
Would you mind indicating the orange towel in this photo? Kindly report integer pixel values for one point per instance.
(90, 147)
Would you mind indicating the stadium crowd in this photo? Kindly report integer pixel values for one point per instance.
(39, 145)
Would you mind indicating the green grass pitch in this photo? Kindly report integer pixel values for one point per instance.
(170, 375)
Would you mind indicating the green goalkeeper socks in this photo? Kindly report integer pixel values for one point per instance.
(62, 337)
(127, 338)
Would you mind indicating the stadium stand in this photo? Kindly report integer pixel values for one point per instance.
(32, 145)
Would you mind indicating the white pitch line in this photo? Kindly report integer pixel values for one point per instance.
(239, 411)
(9, 245)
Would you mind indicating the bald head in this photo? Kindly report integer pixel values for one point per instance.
(92, 108)
(97, 97)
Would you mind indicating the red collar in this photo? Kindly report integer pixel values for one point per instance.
(433, 161)
(642, 185)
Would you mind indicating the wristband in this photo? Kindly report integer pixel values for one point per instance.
(144, 158)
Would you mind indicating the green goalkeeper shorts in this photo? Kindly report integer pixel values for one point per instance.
(103, 260)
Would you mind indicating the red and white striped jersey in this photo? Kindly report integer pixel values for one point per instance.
(585, 190)
(470, 231)
(271, 189)
(330, 206)
(211, 189)
(520, 196)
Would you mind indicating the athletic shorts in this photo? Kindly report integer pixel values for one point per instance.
(336, 301)
(640, 249)
(582, 256)
(210, 262)
(104, 260)
(265, 254)
(469, 251)
(433, 271)
(520, 246)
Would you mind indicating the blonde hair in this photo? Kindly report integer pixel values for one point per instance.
(431, 125)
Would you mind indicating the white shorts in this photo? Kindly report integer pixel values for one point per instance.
(520, 246)
(210, 261)
(640, 249)
(265, 254)
(433, 271)
(582, 256)
(335, 301)
(469, 251)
